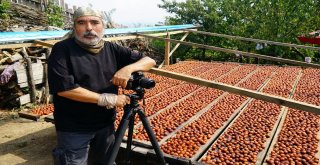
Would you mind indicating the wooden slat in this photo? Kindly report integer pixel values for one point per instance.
(23, 77)
(49, 43)
(294, 62)
(164, 34)
(29, 116)
(14, 46)
(14, 58)
(246, 92)
(24, 99)
(135, 36)
(121, 38)
(49, 118)
(21, 72)
(25, 84)
(254, 40)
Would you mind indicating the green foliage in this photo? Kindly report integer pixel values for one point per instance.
(272, 20)
(158, 44)
(55, 15)
(25, 107)
(4, 6)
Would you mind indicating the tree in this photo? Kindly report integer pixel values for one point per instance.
(108, 18)
(272, 20)
(55, 14)
(4, 7)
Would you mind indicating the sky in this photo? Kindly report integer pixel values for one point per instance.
(128, 12)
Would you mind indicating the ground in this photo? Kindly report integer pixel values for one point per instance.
(25, 142)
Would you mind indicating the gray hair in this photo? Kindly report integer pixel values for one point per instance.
(84, 11)
(87, 11)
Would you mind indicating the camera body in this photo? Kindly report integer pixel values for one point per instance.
(138, 81)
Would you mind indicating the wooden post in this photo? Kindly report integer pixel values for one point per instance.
(175, 48)
(167, 50)
(46, 88)
(30, 76)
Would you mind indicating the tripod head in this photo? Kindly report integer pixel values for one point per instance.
(138, 95)
(134, 98)
(138, 83)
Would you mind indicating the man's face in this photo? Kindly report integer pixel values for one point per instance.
(89, 29)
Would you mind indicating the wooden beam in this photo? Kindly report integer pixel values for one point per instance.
(241, 91)
(15, 46)
(178, 44)
(164, 34)
(135, 36)
(294, 62)
(36, 43)
(121, 38)
(254, 40)
(48, 43)
(29, 116)
(167, 51)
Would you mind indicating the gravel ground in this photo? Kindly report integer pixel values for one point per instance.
(24, 141)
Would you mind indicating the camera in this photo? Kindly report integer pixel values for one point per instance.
(138, 80)
(138, 83)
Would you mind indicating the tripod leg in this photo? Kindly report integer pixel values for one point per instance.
(151, 136)
(119, 136)
(129, 140)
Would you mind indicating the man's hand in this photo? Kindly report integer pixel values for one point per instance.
(110, 100)
(122, 100)
(121, 77)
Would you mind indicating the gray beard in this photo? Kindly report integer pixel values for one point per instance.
(87, 42)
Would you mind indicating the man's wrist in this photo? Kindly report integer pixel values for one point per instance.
(108, 100)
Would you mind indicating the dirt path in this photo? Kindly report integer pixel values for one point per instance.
(26, 142)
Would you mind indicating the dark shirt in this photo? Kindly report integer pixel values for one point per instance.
(69, 67)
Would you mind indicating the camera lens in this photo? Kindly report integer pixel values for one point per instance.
(138, 80)
(147, 83)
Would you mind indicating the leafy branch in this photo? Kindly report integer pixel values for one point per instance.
(4, 6)
(55, 15)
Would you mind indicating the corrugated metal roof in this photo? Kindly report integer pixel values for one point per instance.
(6, 37)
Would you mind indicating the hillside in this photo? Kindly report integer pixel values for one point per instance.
(23, 17)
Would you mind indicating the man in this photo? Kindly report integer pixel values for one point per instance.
(84, 75)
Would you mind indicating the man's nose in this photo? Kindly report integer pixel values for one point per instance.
(89, 26)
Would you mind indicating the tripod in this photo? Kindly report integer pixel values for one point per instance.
(128, 120)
